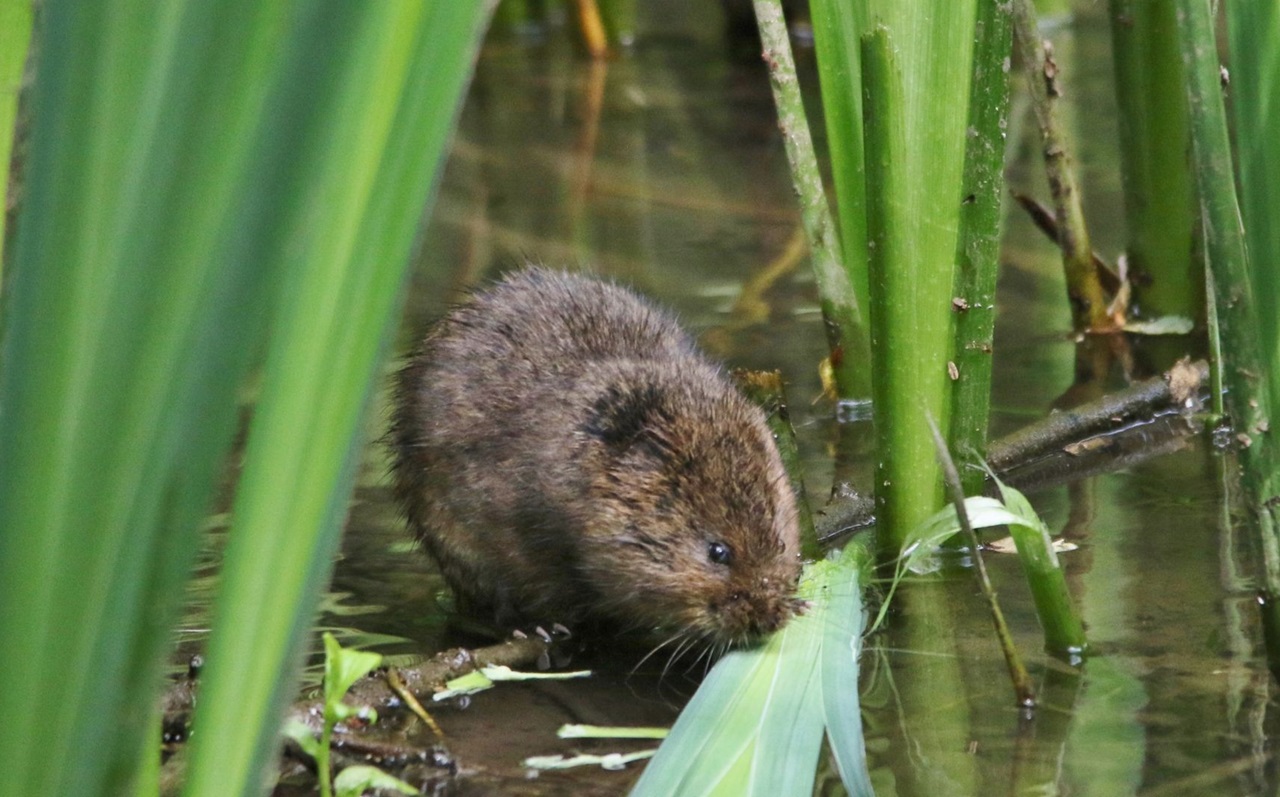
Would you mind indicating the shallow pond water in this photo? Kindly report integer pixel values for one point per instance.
(663, 169)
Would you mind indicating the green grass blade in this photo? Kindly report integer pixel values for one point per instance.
(1254, 36)
(838, 668)
(1063, 629)
(1249, 398)
(374, 162)
(1252, 387)
(128, 323)
(837, 25)
(977, 256)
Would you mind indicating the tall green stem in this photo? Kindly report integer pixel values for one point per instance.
(907, 486)
(840, 310)
(1249, 386)
(372, 167)
(977, 256)
(1254, 29)
(1151, 94)
(837, 24)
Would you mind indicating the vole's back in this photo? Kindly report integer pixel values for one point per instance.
(561, 448)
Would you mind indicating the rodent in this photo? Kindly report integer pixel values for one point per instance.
(565, 453)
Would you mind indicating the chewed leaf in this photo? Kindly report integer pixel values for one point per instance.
(500, 672)
(1165, 325)
(603, 732)
(469, 684)
(485, 677)
(606, 761)
(755, 726)
(1007, 545)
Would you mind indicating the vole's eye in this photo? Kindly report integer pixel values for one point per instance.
(719, 553)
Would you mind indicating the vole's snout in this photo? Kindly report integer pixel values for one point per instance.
(753, 615)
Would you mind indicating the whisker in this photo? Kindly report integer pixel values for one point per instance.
(659, 647)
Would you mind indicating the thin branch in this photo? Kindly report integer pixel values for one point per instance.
(1181, 388)
(1084, 290)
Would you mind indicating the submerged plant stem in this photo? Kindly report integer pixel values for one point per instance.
(1022, 685)
(1084, 290)
(840, 312)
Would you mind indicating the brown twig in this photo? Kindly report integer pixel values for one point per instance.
(1044, 220)
(1070, 432)
(1084, 289)
(421, 680)
(398, 686)
(840, 312)
(1181, 383)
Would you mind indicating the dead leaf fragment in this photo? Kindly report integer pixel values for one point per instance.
(1184, 381)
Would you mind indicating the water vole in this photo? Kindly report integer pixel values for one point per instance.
(565, 453)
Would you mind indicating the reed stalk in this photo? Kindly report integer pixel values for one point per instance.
(840, 312)
(977, 256)
(1151, 95)
(1254, 35)
(129, 321)
(836, 27)
(1251, 386)
(1084, 289)
(397, 92)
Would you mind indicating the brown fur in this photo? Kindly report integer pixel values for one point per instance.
(565, 453)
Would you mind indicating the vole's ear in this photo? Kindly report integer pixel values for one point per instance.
(625, 418)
